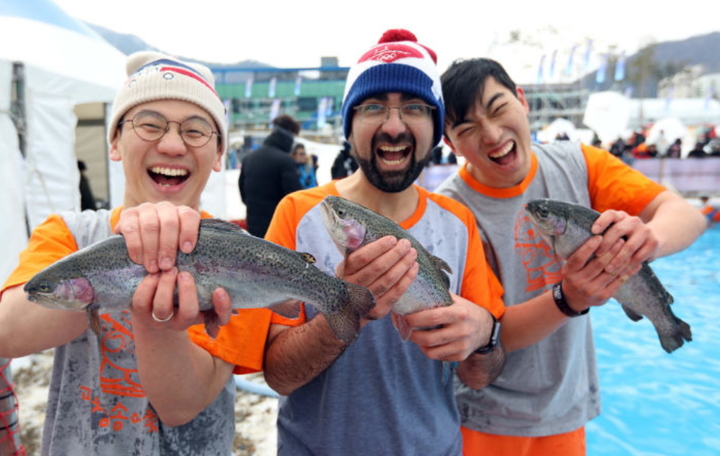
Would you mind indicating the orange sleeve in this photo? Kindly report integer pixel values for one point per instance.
(614, 185)
(49, 242)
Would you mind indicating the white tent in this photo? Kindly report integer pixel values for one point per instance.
(52, 64)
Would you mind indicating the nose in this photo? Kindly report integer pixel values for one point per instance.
(172, 142)
(394, 123)
(490, 133)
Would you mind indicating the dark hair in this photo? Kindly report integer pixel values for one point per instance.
(288, 123)
(463, 84)
(298, 146)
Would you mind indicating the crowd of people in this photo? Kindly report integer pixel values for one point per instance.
(508, 369)
(638, 147)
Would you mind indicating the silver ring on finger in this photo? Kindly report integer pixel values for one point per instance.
(163, 320)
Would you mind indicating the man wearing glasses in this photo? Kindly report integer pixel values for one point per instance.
(169, 130)
(381, 395)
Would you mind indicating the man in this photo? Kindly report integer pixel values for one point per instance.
(382, 395)
(169, 130)
(269, 173)
(549, 387)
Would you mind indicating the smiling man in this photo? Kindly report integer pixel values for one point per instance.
(168, 129)
(549, 388)
(382, 395)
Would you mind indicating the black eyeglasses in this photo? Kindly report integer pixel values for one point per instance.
(409, 113)
(151, 126)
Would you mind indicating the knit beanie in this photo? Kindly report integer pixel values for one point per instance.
(396, 64)
(154, 76)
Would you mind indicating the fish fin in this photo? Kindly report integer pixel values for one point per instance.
(631, 314)
(444, 269)
(291, 309)
(94, 319)
(308, 257)
(681, 333)
(222, 225)
(346, 323)
(212, 323)
(402, 326)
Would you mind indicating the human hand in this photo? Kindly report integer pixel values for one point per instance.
(386, 267)
(640, 242)
(459, 329)
(154, 233)
(154, 303)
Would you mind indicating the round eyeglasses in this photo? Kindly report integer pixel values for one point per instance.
(151, 126)
(409, 113)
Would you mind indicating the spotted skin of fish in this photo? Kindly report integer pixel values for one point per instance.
(256, 273)
(352, 226)
(566, 226)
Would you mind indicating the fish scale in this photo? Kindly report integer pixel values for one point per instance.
(566, 226)
(256, 273)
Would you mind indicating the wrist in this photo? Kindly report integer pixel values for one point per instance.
(561, 302)
(494, 338)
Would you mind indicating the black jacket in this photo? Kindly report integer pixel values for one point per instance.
(267, 174)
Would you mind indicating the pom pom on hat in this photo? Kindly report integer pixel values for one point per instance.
(155, 76)
(398, 63)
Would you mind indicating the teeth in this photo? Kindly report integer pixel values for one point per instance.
(392, 149)
(503, 152)
(172, 172)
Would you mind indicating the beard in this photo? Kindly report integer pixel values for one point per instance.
(394, 181)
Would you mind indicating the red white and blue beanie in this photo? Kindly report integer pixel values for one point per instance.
(154, 76)
(398, 63)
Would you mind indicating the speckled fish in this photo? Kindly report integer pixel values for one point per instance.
(256, 273)
(566, 226)
(352, 226)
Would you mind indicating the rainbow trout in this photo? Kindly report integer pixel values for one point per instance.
(352, 226)
(566, 226)
(256, 273)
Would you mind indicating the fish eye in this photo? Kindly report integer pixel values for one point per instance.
(341, 212)
(44, 287)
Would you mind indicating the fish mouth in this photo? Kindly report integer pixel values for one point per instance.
(168, 177)
(505, 154)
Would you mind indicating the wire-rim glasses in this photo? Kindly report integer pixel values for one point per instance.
(374, 113)
(151, 126)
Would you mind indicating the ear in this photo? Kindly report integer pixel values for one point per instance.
(218, 161)
(115, 154)
(523, 100)
(451, 146)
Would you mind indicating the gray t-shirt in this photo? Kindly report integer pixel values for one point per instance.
(96, 404)
(552, 386)
(382, 396)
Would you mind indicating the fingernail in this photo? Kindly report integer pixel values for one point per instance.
(187, 247)
(153, 267)
(166, 263)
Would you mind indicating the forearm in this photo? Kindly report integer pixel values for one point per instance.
(180, 378)
(27, 327)
(675, 222)
(478, 371)
(295, 356)
(530, 322)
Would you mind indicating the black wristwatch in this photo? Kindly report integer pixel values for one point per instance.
(494, 339)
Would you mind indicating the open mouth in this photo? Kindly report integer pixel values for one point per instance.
(505, 155)
(168, 177)
(393, 155)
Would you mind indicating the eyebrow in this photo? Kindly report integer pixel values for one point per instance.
(489, 106)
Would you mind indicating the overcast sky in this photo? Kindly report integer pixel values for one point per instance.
(297, 33)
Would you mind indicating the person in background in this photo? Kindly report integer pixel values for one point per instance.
(109, 394)
(697, 151)
(87, 200)
(710, 211)
(268, 173)
(305, 168)
(549, 388)
(382, 395)
(344, 164)
(675, 149)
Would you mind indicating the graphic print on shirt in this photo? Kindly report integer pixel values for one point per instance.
(542, 266)
(119, 377)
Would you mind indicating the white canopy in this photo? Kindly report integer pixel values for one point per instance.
(64, 64)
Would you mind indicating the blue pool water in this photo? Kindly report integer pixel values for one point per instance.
(654, 403)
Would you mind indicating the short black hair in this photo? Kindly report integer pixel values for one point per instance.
(463, 84)
(288, 123)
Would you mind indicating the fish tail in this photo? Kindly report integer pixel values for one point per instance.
(358, 301)
(675, 339)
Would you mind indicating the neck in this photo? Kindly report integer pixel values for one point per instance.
(395, 206)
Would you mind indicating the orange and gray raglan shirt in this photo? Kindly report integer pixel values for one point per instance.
(382, 395)
(96, 404)
(550, 387)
